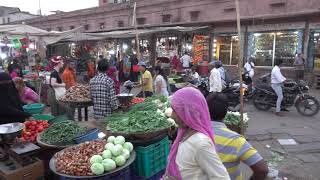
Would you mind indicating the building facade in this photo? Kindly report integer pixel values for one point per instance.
(271, 29)
(11, 14)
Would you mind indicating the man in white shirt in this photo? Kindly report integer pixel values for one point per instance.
(249, 68)
(215, 79)
(277, 80)
(186, 60)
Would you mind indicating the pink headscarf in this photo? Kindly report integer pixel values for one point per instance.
(191, 106)
(111, 74)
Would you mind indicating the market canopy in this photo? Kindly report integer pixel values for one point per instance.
(132, 32)
(21, 29)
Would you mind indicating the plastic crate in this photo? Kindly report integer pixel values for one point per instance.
(36, 108)
(151, 159)
(89, 136)
(157, 176)
(121, 175)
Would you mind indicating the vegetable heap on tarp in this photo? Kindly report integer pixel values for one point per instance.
(151, 115)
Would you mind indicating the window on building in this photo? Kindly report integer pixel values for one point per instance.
(226, 49)
(314, 50)
(86, 27)
(8, 20)
(194, 15)
(266, 47)
(71, 27)
(101, 25)
(60, 29)
(141, 21)
(166, 18)
(120, 24)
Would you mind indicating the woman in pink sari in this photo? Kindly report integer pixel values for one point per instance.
(27, 95)
(112, 73)
(193, 155)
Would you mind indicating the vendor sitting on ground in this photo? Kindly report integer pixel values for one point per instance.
(231, 146)
(103, 92)
(145, 81)
(11, 105)
(27, 95)
(69, 75)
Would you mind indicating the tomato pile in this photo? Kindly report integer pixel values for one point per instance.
(32, 129)
(137, 100)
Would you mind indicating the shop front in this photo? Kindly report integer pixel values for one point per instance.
(226, 48)
(266, 47)
(314, 49)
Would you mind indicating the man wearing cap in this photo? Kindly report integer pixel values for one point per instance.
(146, 81)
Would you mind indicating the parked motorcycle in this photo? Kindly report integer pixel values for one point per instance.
(232, 92)
(294, 94)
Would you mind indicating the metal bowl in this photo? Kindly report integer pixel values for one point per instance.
(9, 132)
(125, 98)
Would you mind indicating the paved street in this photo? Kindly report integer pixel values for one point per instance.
(300, 161)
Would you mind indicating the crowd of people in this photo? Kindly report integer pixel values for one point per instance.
(204, 147)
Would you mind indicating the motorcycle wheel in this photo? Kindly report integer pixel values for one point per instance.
(257, 98)
(308, 106)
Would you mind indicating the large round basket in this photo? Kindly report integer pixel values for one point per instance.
(52, 165)
(53, 146)
(142, 138)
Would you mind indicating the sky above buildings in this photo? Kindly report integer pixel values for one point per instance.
(32, 6)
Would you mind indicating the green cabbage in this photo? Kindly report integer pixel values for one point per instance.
(97, 168)
(116, 150)
(96, 159)
(120, 160)
(111, 139)
(106, 154)
(119, 140)
(126, 153)
(109, 164)
(109, 146)
(128, 145)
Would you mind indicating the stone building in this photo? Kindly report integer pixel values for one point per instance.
(12, 14)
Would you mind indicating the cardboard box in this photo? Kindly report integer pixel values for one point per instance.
(30, 172)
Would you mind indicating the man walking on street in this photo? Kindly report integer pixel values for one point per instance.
(299, 62)
(103, 92)
(277, 80)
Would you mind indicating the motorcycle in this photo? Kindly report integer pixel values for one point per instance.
(232, 91)
(294, 94)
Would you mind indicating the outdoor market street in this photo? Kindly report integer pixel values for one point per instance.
(299, 161)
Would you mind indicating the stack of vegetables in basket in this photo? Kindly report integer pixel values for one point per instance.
(77, 93)
(116, 153)
(93, 157)
(151, 115)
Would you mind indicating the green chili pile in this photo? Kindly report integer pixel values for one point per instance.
(62, 132)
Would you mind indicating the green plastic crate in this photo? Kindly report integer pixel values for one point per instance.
(151, 159)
